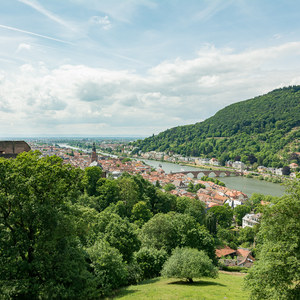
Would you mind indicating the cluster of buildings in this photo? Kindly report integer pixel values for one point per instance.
(238, 165)
(240, 257)
(278, 171)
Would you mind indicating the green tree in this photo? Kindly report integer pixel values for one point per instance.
(168, 231)
(119, 233)
(140, 213)
(107, 192)
(240, 211)
(150, 261)
(169, 187)
(211, 223)
(189, 263)
(286, 170)
(276, 275)
(128, 192)
(90, 179)
(192, 207)
(223, 214)
(247, 235)
(40, 254)
(108, 267)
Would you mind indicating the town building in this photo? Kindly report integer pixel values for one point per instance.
(251, 220)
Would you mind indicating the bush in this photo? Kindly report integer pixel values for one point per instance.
(150, 261)
(108, 267)
(189, 263)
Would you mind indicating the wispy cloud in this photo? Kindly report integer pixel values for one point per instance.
(38, 7)
(104, 22)
(34, 34)
(211, 9)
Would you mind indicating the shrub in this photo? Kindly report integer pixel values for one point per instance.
(189, 263)
(150, 261)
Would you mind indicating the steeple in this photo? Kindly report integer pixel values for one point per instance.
(94, 156)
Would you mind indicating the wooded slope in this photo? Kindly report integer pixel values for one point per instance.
(266, 126)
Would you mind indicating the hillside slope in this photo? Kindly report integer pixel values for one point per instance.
(266, 127)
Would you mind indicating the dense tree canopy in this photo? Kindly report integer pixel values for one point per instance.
(276, 275)
(37, 232)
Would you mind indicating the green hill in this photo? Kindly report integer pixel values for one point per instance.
(265, 128)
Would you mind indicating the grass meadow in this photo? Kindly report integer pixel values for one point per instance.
(226, 286)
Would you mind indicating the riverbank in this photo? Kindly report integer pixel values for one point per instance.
(240, 183)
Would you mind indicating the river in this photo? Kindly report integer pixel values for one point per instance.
(246, 185)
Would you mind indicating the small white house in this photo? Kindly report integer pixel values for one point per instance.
(251, 220)
(238, 165)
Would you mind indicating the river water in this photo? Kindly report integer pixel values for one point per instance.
(246, 185)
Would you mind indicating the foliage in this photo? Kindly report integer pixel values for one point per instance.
(286, 170)
(168, 231)
(215, 180)
(108, 267)
(211, 222)
(107, 192)
(192, 207)
(261, 130)
(90, 178)
(169, 187)
(240, 211)
(227, 237)
(119, 233)
(189, 263)
(150, 261)
(37, 232)
(140, 213)
(276, 275)
(194, 188)
(223, 214)
(247, 235)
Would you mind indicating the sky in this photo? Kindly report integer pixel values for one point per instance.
(138, 67)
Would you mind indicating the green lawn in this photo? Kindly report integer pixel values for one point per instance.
(227, 286)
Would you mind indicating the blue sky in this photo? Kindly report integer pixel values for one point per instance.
(137, 67)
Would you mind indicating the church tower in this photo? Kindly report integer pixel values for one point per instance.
(94, 156)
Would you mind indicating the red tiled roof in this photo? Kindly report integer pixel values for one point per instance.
(225, 251)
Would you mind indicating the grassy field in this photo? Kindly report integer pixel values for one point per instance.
(227, 286)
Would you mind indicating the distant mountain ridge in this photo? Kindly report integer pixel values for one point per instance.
(266, 127)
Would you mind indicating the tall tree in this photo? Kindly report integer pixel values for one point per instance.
(276, 275)
(40, 256)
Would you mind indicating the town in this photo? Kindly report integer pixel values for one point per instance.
(179, 184)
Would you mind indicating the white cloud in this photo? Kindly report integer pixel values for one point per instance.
(85, 100)
(104, 22)
(23, 46)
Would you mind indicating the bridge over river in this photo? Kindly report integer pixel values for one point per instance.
(209, 173)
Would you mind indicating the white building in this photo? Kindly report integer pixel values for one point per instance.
(251, 220)
(238, 165)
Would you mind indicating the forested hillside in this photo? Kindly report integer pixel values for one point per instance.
(266, 127)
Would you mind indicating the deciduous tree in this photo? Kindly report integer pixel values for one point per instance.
(189, 263)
